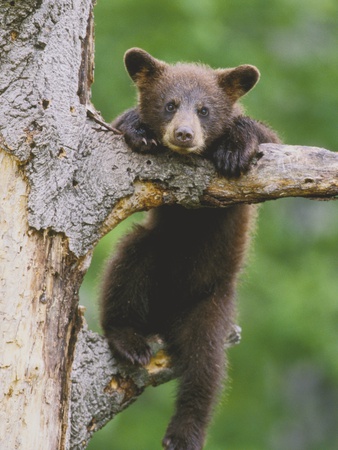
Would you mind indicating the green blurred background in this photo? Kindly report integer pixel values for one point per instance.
(283, 390)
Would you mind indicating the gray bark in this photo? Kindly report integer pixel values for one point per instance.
(63, 185)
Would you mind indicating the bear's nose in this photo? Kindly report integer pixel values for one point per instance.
(184, 134)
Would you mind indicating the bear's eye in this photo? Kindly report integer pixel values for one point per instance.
(170, 107)
(204, 111)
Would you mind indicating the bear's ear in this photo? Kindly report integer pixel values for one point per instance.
(140, 65)
(238, 81)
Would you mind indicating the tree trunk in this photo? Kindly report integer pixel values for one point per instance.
(39, 276)
(64, 185)
(39, 281)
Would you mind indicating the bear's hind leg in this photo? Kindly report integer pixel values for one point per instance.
(199, 357)
(125, 296)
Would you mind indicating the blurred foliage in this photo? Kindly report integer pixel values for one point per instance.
(283, 392)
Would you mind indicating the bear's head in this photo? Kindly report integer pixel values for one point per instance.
(186, 105)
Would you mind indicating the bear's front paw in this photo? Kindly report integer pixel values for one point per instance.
(129, 345)
(232, 162)
(141, 140)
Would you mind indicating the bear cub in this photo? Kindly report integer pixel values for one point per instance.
(176, 274)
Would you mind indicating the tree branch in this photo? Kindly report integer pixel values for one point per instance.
(278, 171)
(121, 183)
(281, 171)
(102, 386)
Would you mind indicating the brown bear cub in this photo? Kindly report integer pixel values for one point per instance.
(176, 275)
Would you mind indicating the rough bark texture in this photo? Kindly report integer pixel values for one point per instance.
(63, 185)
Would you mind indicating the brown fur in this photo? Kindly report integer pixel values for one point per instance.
(176, 274)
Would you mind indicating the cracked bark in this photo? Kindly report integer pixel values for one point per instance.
(64, 185)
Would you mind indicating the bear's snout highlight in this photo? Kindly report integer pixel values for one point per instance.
(184, 135)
